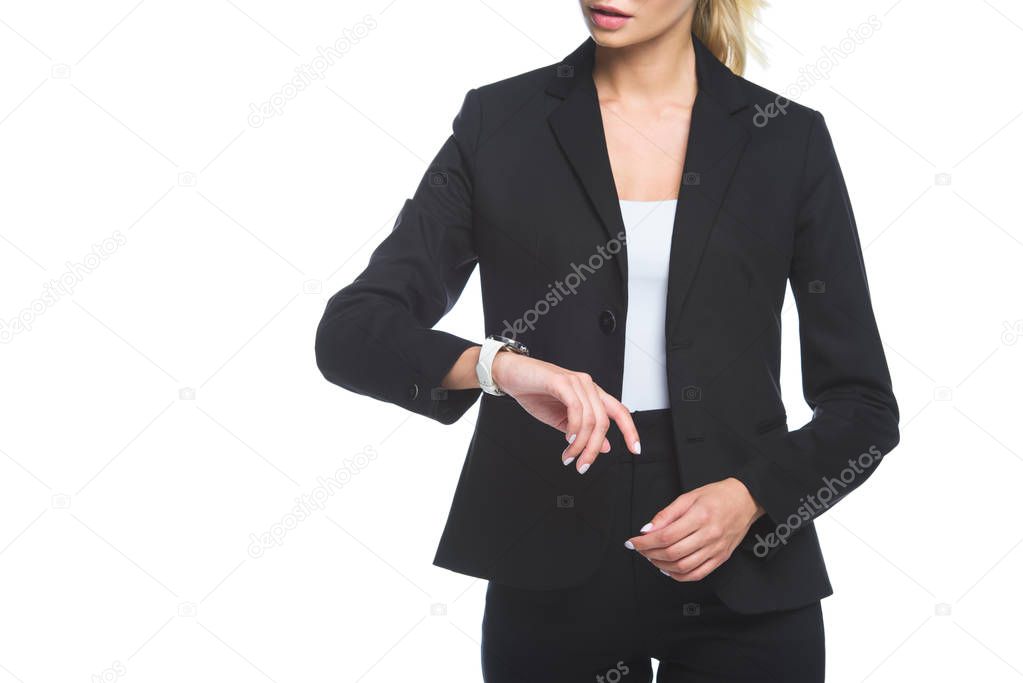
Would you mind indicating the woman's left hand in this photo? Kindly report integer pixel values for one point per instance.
(698, 531)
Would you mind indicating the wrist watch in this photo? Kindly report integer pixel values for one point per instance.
(493, 345)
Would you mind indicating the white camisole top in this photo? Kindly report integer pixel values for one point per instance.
(648, 228)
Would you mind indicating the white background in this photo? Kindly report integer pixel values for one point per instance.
(169, 407)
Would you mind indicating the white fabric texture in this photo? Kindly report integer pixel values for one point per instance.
(648, 228)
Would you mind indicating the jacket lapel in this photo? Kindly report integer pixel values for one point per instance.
(579, 129)
(717, 139)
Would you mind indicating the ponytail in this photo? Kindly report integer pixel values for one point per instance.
(723, 26)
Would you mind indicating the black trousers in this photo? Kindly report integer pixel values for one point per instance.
(608, 629)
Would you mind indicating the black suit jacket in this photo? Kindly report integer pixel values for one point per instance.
(524, 189)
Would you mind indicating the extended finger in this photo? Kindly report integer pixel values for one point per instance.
(600, 425)
(623, 418)
(581, 437)
(562, 390)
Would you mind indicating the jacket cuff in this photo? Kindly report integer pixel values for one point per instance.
(770, 490)
(424, 393)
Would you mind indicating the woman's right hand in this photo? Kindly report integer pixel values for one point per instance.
(571, 402)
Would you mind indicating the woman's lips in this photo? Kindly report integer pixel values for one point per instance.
(607, 17)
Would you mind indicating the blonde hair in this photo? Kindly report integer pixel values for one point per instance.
(724, 27)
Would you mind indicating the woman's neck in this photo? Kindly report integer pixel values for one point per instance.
(662, 68)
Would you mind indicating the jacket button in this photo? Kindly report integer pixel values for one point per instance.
(607, 321)
(413, 391)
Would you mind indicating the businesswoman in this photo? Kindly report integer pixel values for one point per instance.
(632, 490)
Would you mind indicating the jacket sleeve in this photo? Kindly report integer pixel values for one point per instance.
(797, 476)
(375, 337)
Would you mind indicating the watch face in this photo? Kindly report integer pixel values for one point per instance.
(511, 344)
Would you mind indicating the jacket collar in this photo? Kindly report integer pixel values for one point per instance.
(717, 139)
(713, 78)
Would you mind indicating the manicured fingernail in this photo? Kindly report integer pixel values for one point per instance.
(571, 439)
(568, 461)
(635, 447)
(665, 573)
(646, 527)
(582, 470)
(628, 544)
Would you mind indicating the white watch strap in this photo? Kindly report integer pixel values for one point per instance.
(484, 368)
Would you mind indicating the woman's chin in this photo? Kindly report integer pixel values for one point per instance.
(612, 39)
